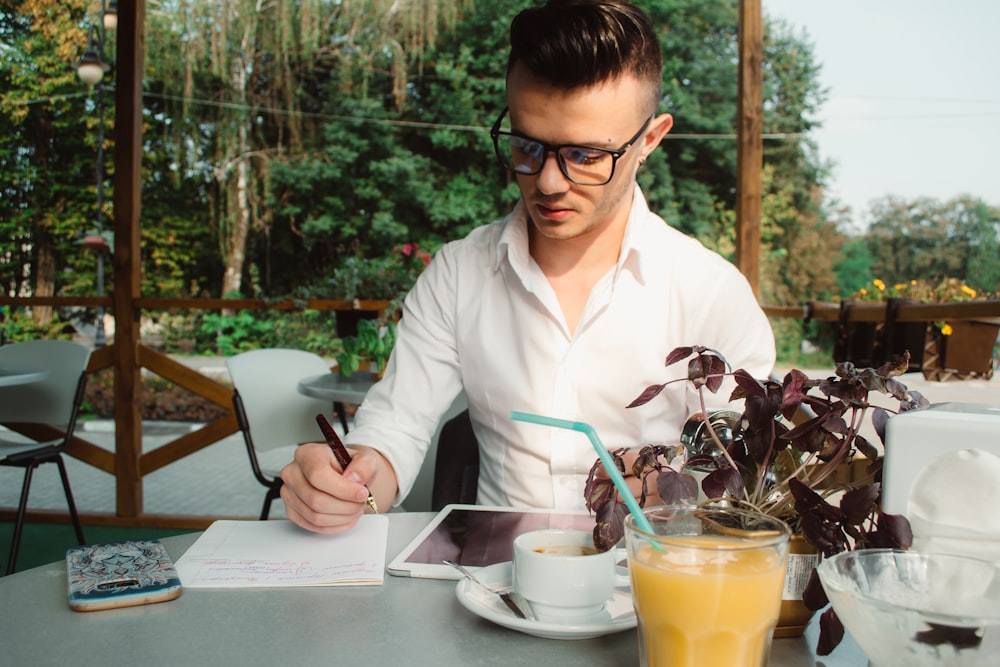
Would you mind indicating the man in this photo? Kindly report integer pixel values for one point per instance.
(567, 307)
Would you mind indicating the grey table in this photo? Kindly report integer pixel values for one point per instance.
(338, 390)
(413, 622)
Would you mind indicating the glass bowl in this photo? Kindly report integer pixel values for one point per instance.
(914, 609)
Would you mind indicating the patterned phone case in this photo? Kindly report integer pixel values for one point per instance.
(120, 574)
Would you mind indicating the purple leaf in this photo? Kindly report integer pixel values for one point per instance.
(814, 595)
(746, 385)
(897, 528)
(722, 482)
(677, 354)
(675, 487)
(648, 394)
(867, 449)
(610, 526)
(831, 632)
(716, 370)
(858, 504)
(697, 371)
(880, 417)
(796, 385)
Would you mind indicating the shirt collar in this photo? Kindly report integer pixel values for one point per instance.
(513, 244)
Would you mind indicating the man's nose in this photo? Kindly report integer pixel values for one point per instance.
(550, 177)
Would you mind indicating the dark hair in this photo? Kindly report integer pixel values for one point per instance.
(580, 43)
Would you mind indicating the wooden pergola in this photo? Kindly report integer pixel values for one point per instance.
(127, 356)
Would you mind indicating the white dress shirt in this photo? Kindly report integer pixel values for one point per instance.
(482, 317)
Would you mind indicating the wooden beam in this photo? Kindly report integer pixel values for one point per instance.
(130, 54)
(749, 142)
(188, 444)
(217, 392)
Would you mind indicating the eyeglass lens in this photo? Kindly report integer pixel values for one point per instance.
(579, 163)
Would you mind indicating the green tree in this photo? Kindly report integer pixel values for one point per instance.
(270, 65)
(422, 171)
(931, 240)
(47, 165)
(854, 266)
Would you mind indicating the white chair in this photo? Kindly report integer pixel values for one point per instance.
(41, 416)
(273, 416)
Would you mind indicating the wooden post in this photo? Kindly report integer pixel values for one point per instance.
(749, 142)
(130, 52)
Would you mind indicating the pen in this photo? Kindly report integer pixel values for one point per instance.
(343, 456)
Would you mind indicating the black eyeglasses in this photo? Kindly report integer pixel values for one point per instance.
(583, 165)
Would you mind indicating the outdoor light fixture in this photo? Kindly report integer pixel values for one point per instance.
(91, 66)
(110, 14)
(91, 69)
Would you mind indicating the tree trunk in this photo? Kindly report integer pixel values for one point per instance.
(45, 275)
(232, 280)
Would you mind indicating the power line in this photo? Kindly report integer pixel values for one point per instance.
(893, 98)
(409, 123)
(771, 136)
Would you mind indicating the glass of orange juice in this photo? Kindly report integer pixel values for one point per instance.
(706, 584)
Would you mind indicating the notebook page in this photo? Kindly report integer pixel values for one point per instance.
(247, 554)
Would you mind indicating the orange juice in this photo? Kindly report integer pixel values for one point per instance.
(700, 605)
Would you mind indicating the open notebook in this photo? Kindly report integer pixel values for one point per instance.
(247, 554)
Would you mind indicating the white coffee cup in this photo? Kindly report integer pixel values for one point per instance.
(562, 575)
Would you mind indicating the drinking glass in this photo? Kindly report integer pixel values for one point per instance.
(706, 584)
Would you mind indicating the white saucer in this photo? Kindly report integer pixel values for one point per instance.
(618, 615)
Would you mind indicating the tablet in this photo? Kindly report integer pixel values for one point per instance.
(476, 536)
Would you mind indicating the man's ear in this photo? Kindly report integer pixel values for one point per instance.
(658, 129)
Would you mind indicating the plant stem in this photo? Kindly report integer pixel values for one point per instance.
(715, 437)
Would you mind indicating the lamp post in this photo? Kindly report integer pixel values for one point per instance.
(91, 69)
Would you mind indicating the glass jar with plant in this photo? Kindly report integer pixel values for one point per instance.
(764, 460)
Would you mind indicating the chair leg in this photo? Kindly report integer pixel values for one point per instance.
(74, 516)
(19, 521)
(272, 493)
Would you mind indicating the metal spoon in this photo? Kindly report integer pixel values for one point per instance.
(514, 602)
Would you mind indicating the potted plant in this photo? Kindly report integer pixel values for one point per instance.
(795, 472)
(370, 349)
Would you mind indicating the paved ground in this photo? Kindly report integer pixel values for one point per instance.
(217, 481)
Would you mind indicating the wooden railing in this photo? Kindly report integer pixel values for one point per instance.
(138, 464)
(218, 393)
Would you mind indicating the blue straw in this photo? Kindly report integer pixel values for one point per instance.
(602, 453)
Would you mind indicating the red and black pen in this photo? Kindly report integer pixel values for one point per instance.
(343, 456)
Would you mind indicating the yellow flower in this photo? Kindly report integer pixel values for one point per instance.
(899, 287)
(969, 291)
(879, 284)
(864, 292)
(946, 330)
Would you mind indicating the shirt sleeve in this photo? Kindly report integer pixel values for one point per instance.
(401, 412)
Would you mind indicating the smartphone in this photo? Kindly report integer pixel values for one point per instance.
(120, 574)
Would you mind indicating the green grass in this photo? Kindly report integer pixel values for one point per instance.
(43, 543)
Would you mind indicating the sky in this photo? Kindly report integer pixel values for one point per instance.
(913, 105)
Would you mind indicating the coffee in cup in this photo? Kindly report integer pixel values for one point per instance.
(563, 576)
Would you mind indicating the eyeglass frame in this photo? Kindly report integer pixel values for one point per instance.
(615, 154)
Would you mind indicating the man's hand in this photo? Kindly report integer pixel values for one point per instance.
(322, 497)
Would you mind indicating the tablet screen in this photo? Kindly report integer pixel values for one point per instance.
(476, 536)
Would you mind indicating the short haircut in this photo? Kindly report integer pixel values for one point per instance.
(581, 43)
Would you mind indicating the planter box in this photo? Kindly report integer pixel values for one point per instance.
(874, 343)
(967, 353)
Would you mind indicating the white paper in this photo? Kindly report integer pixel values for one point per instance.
(258, 554)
